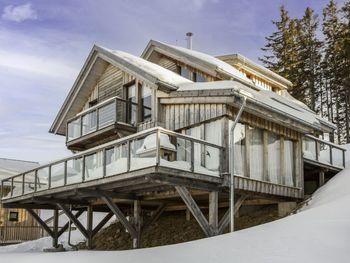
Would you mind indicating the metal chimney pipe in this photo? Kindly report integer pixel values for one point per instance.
(189, 40)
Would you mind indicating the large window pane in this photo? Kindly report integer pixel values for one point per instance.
(274, 157)
(131, 108)
(146, 103)
(239, 148)
(255, 137)
(288, 162)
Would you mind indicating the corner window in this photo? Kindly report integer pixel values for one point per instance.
(13, 216)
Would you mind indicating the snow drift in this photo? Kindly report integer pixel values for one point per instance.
(319, 233)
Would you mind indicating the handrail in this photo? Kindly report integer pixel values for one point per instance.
(326, 142)
(101, 148)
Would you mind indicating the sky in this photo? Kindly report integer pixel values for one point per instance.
(43, 45)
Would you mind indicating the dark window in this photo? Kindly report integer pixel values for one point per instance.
(146, 103)
(200, 78)
(131, 102)
(186, 73)
(13, 216)
(93, 103)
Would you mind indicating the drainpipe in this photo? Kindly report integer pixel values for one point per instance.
(232, 170)
(74, 247)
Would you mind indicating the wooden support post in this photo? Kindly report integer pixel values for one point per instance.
(137, 223)
(89, 226)
(40, 221)
(55, 228)
(120, 216)
(213, 210)
(321, 178)
(195, 210)
(66, 226)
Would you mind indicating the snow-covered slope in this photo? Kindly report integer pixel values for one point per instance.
(319, 233)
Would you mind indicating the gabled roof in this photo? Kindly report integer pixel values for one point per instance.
(94, 66)
(10, 167)
(196, 59)
(271, 101)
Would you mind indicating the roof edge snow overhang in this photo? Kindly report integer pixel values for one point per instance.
(110, 57)
(213, 95)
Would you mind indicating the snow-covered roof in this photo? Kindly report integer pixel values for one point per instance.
(193, 56)
(10, 167)
(160, 73)
(270, 100)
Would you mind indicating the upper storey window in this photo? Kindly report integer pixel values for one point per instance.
(146, 103)
(191, 75)
(131, 98)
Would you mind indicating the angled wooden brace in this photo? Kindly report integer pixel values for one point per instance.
(41, 222)
(155, 216)
(66, 225)
(102, 223)
(225, 220)
(195, 210)
(75, 221)
(120, 216)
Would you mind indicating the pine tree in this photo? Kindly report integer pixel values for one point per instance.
(280, 48)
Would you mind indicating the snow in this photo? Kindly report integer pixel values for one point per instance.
(318, 233)
(155, 70)
(265, 98)
(219, 64)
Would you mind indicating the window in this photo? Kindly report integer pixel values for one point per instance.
(13, 216)
(131, 106)
(200, 77)
(184, 72)
(274, 157)
(256, 160)
(146, 103)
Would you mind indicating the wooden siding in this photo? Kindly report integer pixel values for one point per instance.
(178, 116)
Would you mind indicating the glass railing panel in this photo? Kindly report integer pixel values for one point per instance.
(309, 148)
(337, 157)
(57, 175)
(42, 182)
(29, 182)
(74, 129)
(93, 166)
(116, 160)
(89, 122)
(75, 170)
(6, 190)
(143, 152)
(206, 159)
(175, 152)
(324, 154)
(17, 189)
(106, 115)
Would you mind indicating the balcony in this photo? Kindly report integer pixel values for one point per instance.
(116, 160)
(323, 153)
(106, 121)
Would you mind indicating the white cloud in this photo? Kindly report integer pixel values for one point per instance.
(19, 13)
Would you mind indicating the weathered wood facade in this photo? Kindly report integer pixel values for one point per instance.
(154, 133)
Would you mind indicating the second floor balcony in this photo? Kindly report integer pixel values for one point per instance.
(111, 119)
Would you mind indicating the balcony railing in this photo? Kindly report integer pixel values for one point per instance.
(320, 151)
(153, 147)
(103, 115)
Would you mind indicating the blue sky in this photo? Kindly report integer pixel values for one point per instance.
(43, 45)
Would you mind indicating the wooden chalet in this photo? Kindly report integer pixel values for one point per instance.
(153, 134)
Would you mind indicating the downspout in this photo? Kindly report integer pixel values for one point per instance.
(232, 170)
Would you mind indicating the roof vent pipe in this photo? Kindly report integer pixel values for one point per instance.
(189, 40)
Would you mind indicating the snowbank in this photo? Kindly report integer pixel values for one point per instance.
(319, 233)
